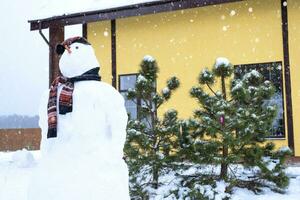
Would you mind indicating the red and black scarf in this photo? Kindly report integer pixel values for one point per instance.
(66, 97)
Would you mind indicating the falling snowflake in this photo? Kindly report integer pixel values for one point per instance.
(225, 28)
(105, 33)
(284, 3)
(232, 13)
(223, 17)
(279, 67)
(250, 9)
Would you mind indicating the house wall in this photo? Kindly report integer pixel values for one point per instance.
(185, 42)
(294, 49)
(99, 34)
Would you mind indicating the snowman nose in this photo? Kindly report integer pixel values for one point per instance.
(68, 49)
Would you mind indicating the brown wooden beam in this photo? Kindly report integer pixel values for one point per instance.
(113, 54)
(56, 35)
(84, 30)
(287, 74)
(124, 11)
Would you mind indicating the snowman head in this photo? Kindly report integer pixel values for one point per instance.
(77, 57)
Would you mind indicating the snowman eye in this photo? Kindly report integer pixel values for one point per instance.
(77, 47)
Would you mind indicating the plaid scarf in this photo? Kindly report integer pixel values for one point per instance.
(65, 98)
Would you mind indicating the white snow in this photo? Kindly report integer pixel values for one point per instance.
(221, 61)
(14, 181)
(285, 149)
(284, 3)
(232, 13)
(141, 78)
(225, 28)
(79, 61)
(206, 73)
(56, 7)
(238, 86)
(85, 160)
(171, 182)
(253, 73)
(105, 33)
(166, 90)
(220, 190)
(23, 158)
(148, 58)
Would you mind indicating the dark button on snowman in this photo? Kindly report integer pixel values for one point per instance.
(83, 122)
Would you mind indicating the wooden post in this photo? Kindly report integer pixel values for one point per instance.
(287, 75)
(84, 30)
(113, 54)
(56, 35)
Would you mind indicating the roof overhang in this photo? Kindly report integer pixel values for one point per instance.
(122, 12)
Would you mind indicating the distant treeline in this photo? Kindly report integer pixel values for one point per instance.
(18, 121)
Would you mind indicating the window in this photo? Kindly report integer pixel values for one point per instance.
(272, 72)
(126, 82)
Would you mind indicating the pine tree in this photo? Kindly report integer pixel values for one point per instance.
(150, 139)
(230, 130)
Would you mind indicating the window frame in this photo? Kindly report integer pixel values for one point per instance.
(124, 91)
(255, 66)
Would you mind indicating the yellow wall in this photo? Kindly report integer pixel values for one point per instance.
(99, 34)
(184, 42)
(294, 47)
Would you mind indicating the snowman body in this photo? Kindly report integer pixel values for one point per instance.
(85, 160)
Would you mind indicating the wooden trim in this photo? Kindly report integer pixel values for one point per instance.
(84, 30)
(113, 54)
(119, 80)
(56, 35)
(124, 11)
(287, 75)
(138, 102)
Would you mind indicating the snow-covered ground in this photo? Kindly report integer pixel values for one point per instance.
(16, 168)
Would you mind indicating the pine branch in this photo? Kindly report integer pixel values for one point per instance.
(211, 89)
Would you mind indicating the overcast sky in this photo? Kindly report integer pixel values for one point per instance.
(23, 59)
(24, 54)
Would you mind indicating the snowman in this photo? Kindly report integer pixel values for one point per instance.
(83, 122)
